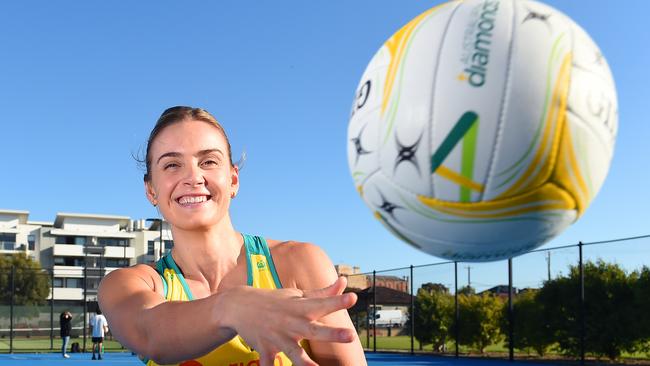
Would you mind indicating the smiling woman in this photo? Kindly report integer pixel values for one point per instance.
(221, 297)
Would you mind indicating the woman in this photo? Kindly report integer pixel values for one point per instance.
(65, 320)
(254, 301)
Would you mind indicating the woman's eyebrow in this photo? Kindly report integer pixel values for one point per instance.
(208, 151)
(172, 154)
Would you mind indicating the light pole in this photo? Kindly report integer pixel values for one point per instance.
(160, 222)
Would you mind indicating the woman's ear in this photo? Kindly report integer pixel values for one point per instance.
(151, 193)
(234, 181)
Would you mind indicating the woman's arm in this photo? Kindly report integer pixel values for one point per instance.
(173, 331)
(310, 268)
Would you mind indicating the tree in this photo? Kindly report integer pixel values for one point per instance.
(530, 328)
(609, 310)
(433, 314)
(479, 320)
(435, 287)
(641, 288)
(31, 283)
(467, 290)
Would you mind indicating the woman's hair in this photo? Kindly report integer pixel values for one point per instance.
(179, 114)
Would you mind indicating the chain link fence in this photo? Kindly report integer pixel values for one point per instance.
(30, 322)
(570, 302)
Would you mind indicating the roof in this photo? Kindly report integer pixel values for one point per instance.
(123, 220)
(22, 215)
(384, 296)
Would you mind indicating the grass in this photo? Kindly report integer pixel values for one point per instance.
(403, 343)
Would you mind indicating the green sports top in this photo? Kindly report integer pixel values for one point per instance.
(261, 274)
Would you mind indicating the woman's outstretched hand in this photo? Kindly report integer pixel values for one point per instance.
(273, 321)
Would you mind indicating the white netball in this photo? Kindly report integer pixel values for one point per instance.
(483, 128)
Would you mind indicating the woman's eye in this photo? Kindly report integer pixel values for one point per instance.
(210, 163)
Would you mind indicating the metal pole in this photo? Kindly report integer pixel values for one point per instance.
(548, 264)
(85, 297)
(11, 309)
(367, 322)
(412, 313)
(511, 315)
(52, 310)
(374, 312)
(457, 316)
(582, 307)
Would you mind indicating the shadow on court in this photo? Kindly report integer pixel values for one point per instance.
(126, 359)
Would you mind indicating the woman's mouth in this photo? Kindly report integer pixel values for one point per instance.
(188, 201)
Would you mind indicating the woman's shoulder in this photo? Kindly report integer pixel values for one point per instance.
(137, 275)
(302, 265)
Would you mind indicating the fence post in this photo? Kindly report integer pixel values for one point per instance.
(412, 313)
(367, 323)
(511, 315)
(582, 306)
(457, 316)
(374, 312)
(11, 309)
(52, 310)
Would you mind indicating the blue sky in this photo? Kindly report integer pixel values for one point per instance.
(82, 83)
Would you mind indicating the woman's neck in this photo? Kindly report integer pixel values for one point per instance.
(207, 255)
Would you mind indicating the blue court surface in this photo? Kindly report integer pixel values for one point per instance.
(126, 359)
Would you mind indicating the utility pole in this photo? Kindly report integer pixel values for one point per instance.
(548, 264)
(469, 278)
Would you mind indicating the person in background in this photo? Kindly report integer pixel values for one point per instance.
(98, 326)
(65, 322)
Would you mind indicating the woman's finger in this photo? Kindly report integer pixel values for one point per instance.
(317, 331)
(334, 289)
(298, 355)
(316, 308)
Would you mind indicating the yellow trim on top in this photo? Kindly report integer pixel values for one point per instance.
(396, 46)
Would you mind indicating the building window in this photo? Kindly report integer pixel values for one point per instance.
(31, 242)
(71, 240)
(113, 242)
(68, 261)
(7, 241)
(150, 247)
(169, 244)
(119, 263)
(73, 282)
(58, 282)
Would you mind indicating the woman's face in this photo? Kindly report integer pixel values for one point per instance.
(192, 181)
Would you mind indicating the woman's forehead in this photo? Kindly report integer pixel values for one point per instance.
(188, 137)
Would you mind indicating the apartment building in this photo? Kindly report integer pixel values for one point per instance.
(82, 248)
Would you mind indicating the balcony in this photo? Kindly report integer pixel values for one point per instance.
(119, 252)
(72, 250)
(8, 245)
(67, 294)
(68, 250)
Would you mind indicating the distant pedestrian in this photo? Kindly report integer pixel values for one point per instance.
(65, 322)
(98, 326)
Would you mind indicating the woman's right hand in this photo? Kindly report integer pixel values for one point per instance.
(273, 321)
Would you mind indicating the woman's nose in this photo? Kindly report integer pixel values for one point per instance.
(194, 176)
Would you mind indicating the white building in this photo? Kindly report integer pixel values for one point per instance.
(77, 246)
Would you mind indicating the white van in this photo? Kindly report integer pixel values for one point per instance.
(390, 318)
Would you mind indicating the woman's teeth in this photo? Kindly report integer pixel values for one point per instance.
(191, 199)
